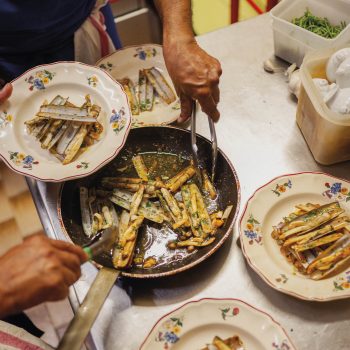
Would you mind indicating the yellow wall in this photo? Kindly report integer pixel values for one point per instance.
(209, 15)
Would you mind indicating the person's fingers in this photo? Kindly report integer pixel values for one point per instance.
(186, 108)
(70, 261)
(215, 93)
(5, 93)
(69, 276)
(209, 107)
(69, 247)
(59, 292)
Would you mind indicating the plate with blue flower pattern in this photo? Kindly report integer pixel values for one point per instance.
(195, 324)
(268, 206)
(23, 153)
(126, 63)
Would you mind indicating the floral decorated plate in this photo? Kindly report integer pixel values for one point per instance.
(126, 63)
(195, 324)
(266, 208)
(23, 153)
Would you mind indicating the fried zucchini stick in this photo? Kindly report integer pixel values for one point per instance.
(179, 179)
(208, 186)
(202, 210)
(136, 201)
(128, 242)
(172, 203)
(140, 167)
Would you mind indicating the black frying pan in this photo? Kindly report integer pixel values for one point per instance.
(153, 139)
(149, 139)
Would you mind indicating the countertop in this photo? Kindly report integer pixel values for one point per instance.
(258, 133)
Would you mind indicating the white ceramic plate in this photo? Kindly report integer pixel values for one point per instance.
(194, 325)
(23, 153)
(266, 208)
(126, 63)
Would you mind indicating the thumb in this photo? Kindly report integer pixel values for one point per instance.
(186, 108)
(5, 92)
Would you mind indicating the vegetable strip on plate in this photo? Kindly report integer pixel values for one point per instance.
(315, 239)
(65, 129)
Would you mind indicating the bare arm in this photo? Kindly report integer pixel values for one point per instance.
(195, 73)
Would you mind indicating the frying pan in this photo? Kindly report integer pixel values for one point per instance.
(148, 139)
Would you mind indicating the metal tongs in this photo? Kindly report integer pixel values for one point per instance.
(214, 145)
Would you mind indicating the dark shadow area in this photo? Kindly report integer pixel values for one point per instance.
(339, 170)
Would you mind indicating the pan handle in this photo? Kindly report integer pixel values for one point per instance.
(86, 315)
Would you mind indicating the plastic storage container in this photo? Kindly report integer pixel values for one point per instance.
(293, 42)
(327, 137)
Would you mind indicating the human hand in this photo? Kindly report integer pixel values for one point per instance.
(40, 269)
(5, 93)
(195, 75)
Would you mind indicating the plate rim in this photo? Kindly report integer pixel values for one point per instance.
(123, 49)
(255, 268)
(173, 120)
(104, 161)
(205, 299)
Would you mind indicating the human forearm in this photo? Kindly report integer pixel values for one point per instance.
(177, 20)
(195, 74)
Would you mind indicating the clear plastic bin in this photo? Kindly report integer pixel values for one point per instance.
(327, 137)
(292, 42)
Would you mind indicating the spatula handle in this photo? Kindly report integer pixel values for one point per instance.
(86, 315)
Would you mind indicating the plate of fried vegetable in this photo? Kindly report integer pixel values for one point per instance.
(295, 233)
(142, 72)
(64, 120)
(217, 324)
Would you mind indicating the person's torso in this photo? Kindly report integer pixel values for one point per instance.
(31, 26)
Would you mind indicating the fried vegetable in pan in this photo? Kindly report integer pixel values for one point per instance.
(140, 167)
(64, 128)
(202, 211)
(316, 239)
(136, 201)
(208, 186)
(148, 209)
(181, 178)
(86, 215)
(126, 244)
(178, 204)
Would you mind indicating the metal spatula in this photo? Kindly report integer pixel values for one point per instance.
(214, 145)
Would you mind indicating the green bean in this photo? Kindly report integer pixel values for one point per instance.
(318, 25)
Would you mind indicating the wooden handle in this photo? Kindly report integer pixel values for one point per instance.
(86, 315)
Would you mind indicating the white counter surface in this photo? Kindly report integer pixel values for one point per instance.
(259, 134)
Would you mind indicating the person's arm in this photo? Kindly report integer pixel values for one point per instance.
(195, 73)
(38, 270)
(5, 93)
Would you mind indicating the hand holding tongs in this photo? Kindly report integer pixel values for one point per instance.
(214, 145)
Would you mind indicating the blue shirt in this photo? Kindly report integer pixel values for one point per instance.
(34, 32)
